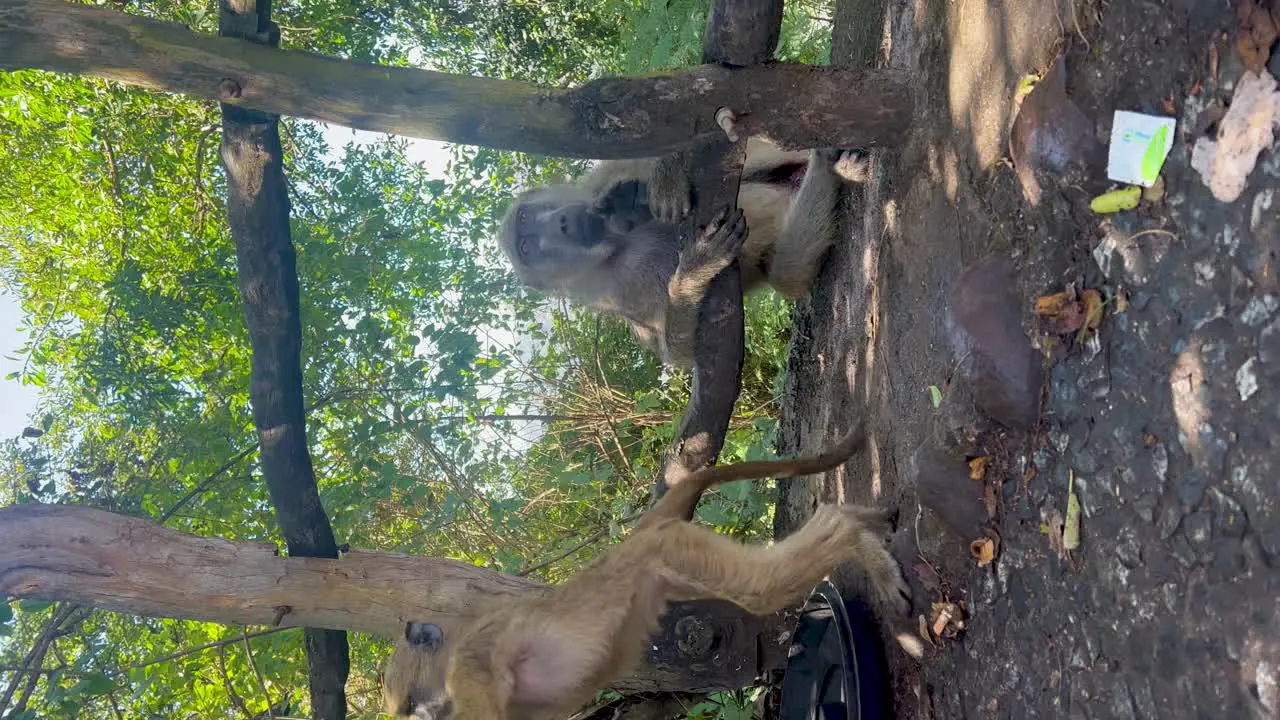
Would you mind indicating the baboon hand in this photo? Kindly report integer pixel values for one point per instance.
(717, 246)
(889, 588)
(852, 166)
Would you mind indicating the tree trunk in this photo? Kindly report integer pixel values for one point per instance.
(114, 562)
(799, 106)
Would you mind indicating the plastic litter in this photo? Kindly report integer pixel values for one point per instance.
(1139, 145)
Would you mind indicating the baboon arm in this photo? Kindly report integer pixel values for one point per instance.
(613, 172)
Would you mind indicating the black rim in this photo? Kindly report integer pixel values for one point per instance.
(836, 668)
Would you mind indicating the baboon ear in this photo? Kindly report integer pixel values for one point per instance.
(427, 636)
(545, 665)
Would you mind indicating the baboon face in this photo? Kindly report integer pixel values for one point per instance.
(413, 686)
(554, 234)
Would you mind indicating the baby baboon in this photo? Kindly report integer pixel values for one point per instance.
(611, 241)
(542, 656)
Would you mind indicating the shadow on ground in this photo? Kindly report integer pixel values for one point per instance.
(1168, 420)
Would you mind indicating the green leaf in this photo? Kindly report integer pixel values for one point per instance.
(935, 396)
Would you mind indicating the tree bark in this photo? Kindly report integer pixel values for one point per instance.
(798, 106)
(129, 565)
(258, 213)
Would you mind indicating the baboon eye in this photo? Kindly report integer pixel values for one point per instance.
(522, 216)
(523, 247)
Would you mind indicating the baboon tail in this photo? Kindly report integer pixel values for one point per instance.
(680, 498)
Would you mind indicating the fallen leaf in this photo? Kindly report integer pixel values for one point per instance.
(1149, 440)
(1122, 301)
(1167, 105)
(1052, 527)
(1051, 305)
(1092, 308)
(924, 631)
(989, 500)
(1027, 476)
(1155, 193)
(1256, 32)
(1071, 524)
(1063, 310)
(1196, 88)
(978, 467)
(1025, 86)
(984, 551)
(935, 396)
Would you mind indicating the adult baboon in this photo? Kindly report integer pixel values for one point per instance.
(540, 656)
(611, 240)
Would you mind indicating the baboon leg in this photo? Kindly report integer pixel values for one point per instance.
(810, 227)
(700, 563)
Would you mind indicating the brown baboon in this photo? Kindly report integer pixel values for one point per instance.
(611, 240)
(542, 656)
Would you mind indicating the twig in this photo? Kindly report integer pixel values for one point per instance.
(206, 646)
(262, 684)
(593, 538)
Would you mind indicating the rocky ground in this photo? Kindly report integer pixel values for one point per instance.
(1163, 421)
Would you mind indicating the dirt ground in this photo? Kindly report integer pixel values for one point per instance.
(1167, 419)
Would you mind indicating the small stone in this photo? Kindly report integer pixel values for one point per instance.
(1182, 551)
(1198, 528)
(1269, 343)
(1247, 379)
(1127, 548)
(1259, 309)
(1160, 462)
(1170, 517)
(1228, 517)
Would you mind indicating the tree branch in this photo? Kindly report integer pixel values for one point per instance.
(798, 106)
(130, 565)
(258, 213)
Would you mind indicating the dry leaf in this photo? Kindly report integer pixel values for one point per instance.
(1149, 440)
(1063, 310)
(924, 631)
(1052, 527)
(989, 501)
(978, 467)
(1092, 308)
(1167, 105)
(1071, 524)
(1122, 301)
(984, 551)
(1256, 34)
(1053, 305)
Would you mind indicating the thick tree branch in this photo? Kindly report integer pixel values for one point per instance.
(738, 32)
(129, 565)
(258, 211)
(796, 105)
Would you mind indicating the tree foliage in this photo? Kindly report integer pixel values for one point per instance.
(450, 411)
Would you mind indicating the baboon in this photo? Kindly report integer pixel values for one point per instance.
(612, 242)
(544, 655)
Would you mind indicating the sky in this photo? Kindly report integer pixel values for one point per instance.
(17, 402)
